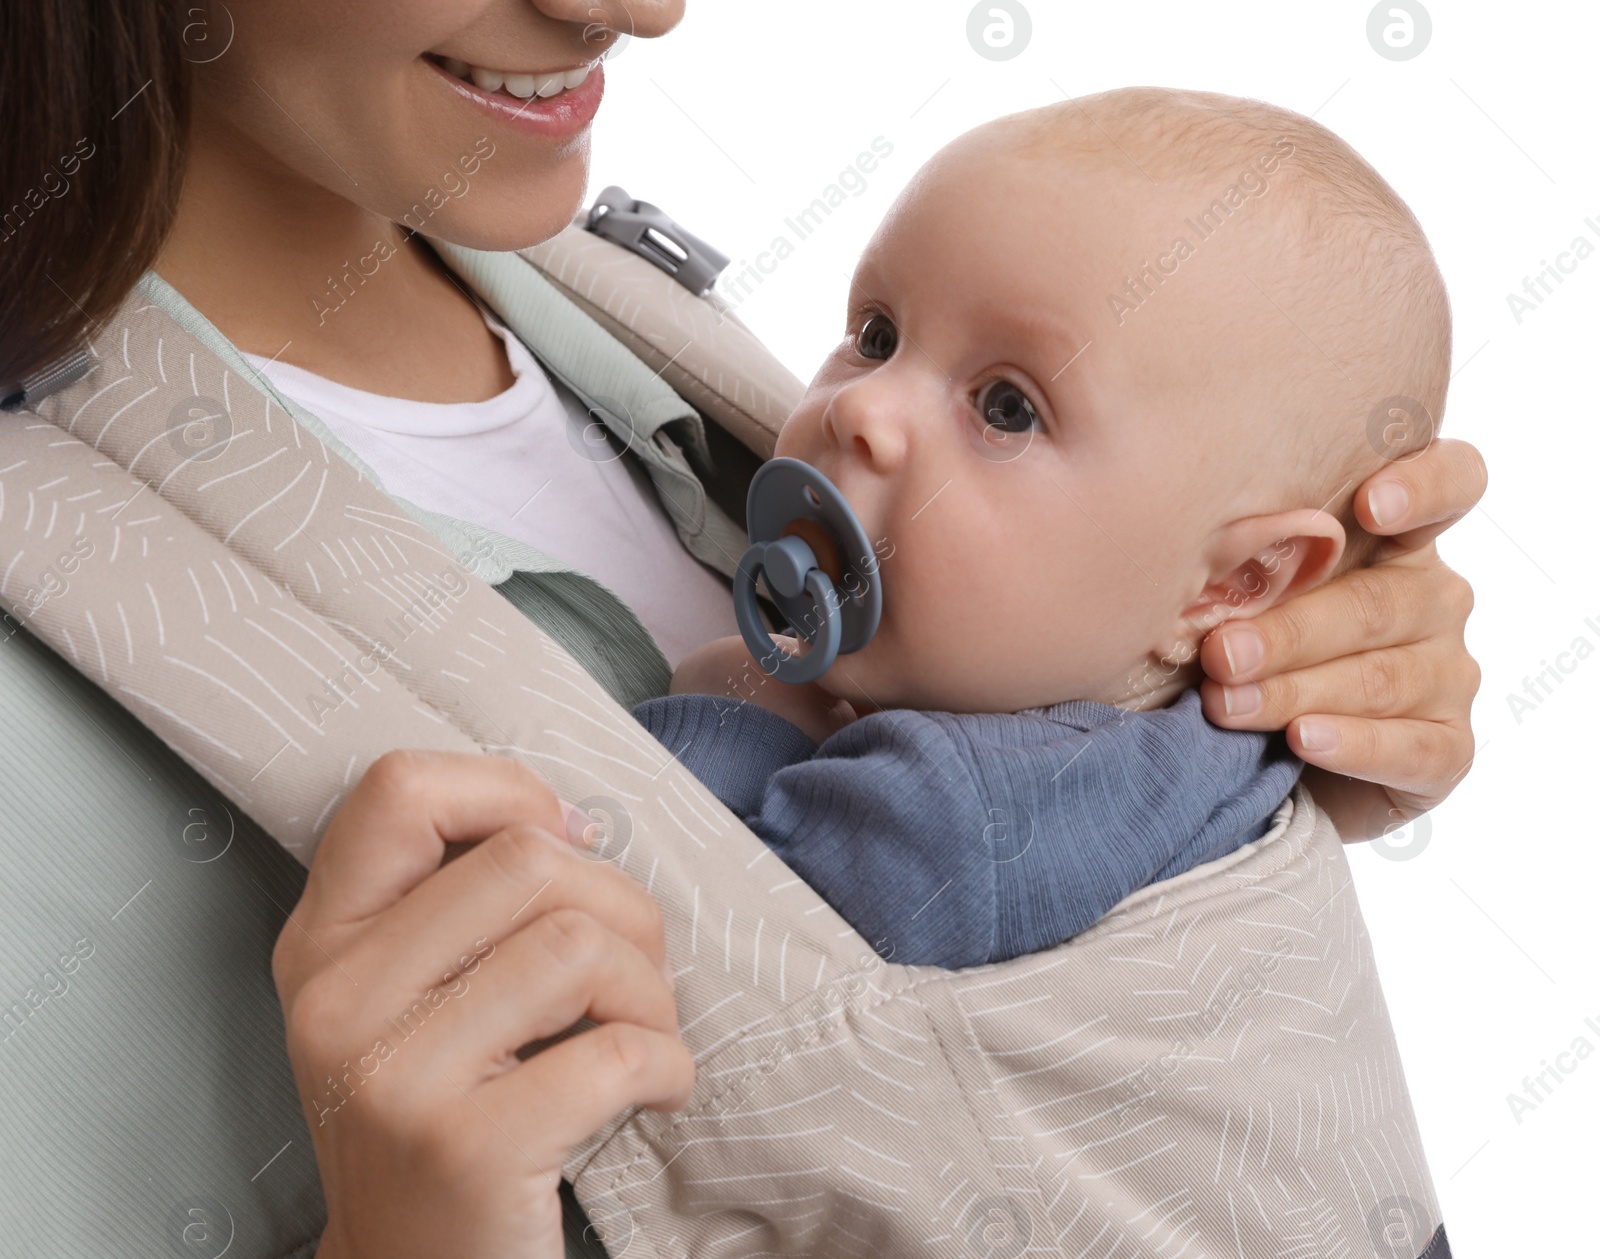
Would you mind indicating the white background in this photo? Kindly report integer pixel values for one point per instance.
(1486, 937)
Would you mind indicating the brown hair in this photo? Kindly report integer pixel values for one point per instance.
(95, 98)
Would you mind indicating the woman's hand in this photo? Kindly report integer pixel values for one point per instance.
(408, 987)
(724, 666)
(1369, 673)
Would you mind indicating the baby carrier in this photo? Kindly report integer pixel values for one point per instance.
(1210, 1070)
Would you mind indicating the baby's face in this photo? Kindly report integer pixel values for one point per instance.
(1042, 480)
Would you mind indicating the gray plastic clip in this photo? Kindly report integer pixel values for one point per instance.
(651, 233)
(71, 366)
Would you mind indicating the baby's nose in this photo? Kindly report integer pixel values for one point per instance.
(870, 424)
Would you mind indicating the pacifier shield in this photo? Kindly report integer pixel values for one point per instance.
(820, 567)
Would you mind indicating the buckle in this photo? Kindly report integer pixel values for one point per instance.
(648, 231)
(71, 366)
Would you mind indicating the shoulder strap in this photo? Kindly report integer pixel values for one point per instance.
(698, 344)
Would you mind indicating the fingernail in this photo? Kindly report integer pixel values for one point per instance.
(1241, 701)
(1318, 736)
(1244, 650)
(666, 973)
(1388, 502)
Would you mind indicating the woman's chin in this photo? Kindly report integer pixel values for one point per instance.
(514, 213)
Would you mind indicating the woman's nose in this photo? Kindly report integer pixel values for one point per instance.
(867, 421)
(643, 18)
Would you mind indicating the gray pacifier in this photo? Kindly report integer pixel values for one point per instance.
(820, 568)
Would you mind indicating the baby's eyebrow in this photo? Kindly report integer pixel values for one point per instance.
(1052, 344)
(864, 280)
(1076, 355)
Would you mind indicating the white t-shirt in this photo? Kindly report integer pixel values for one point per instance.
(519, 464)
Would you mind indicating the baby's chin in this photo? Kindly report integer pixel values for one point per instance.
(872, 683)
(858, 678)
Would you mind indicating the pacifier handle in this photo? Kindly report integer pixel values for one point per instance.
(791, 568)
(809, 545)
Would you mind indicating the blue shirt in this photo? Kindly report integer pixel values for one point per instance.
(954, 839)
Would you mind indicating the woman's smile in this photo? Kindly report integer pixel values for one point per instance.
(521, 84)
(557, 103)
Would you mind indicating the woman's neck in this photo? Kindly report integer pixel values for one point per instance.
(290, 270)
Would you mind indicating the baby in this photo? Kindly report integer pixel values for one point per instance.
(1112, 371)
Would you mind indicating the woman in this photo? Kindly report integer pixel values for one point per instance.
(312, 134)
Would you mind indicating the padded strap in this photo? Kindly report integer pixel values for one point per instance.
(698, 344)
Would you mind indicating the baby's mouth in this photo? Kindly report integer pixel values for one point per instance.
(518, 84)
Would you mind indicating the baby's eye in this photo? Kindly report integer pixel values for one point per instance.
(877, 338)
(1004, 406)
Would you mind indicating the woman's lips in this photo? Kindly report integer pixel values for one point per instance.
(557, 117)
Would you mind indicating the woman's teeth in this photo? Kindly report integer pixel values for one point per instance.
(522, 86)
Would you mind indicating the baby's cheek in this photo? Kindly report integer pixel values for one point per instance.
(798, 438)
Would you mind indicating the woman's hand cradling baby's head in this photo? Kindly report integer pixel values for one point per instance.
(1369, 673)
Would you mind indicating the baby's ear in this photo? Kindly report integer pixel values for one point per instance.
(1259, 561)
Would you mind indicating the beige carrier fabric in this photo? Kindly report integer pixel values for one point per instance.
(1208, 1071)
(274, 617)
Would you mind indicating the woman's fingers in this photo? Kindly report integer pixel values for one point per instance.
(560, 968)
(512, 879)
(1363, 810)
(1390, 728)
(1415, 500)
(1423, 679)
(1369, 673)
(1418, 761)
(564, 1093)
(391, 833)
(1408, 599)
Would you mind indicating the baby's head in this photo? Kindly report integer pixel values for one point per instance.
(1113, 370)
